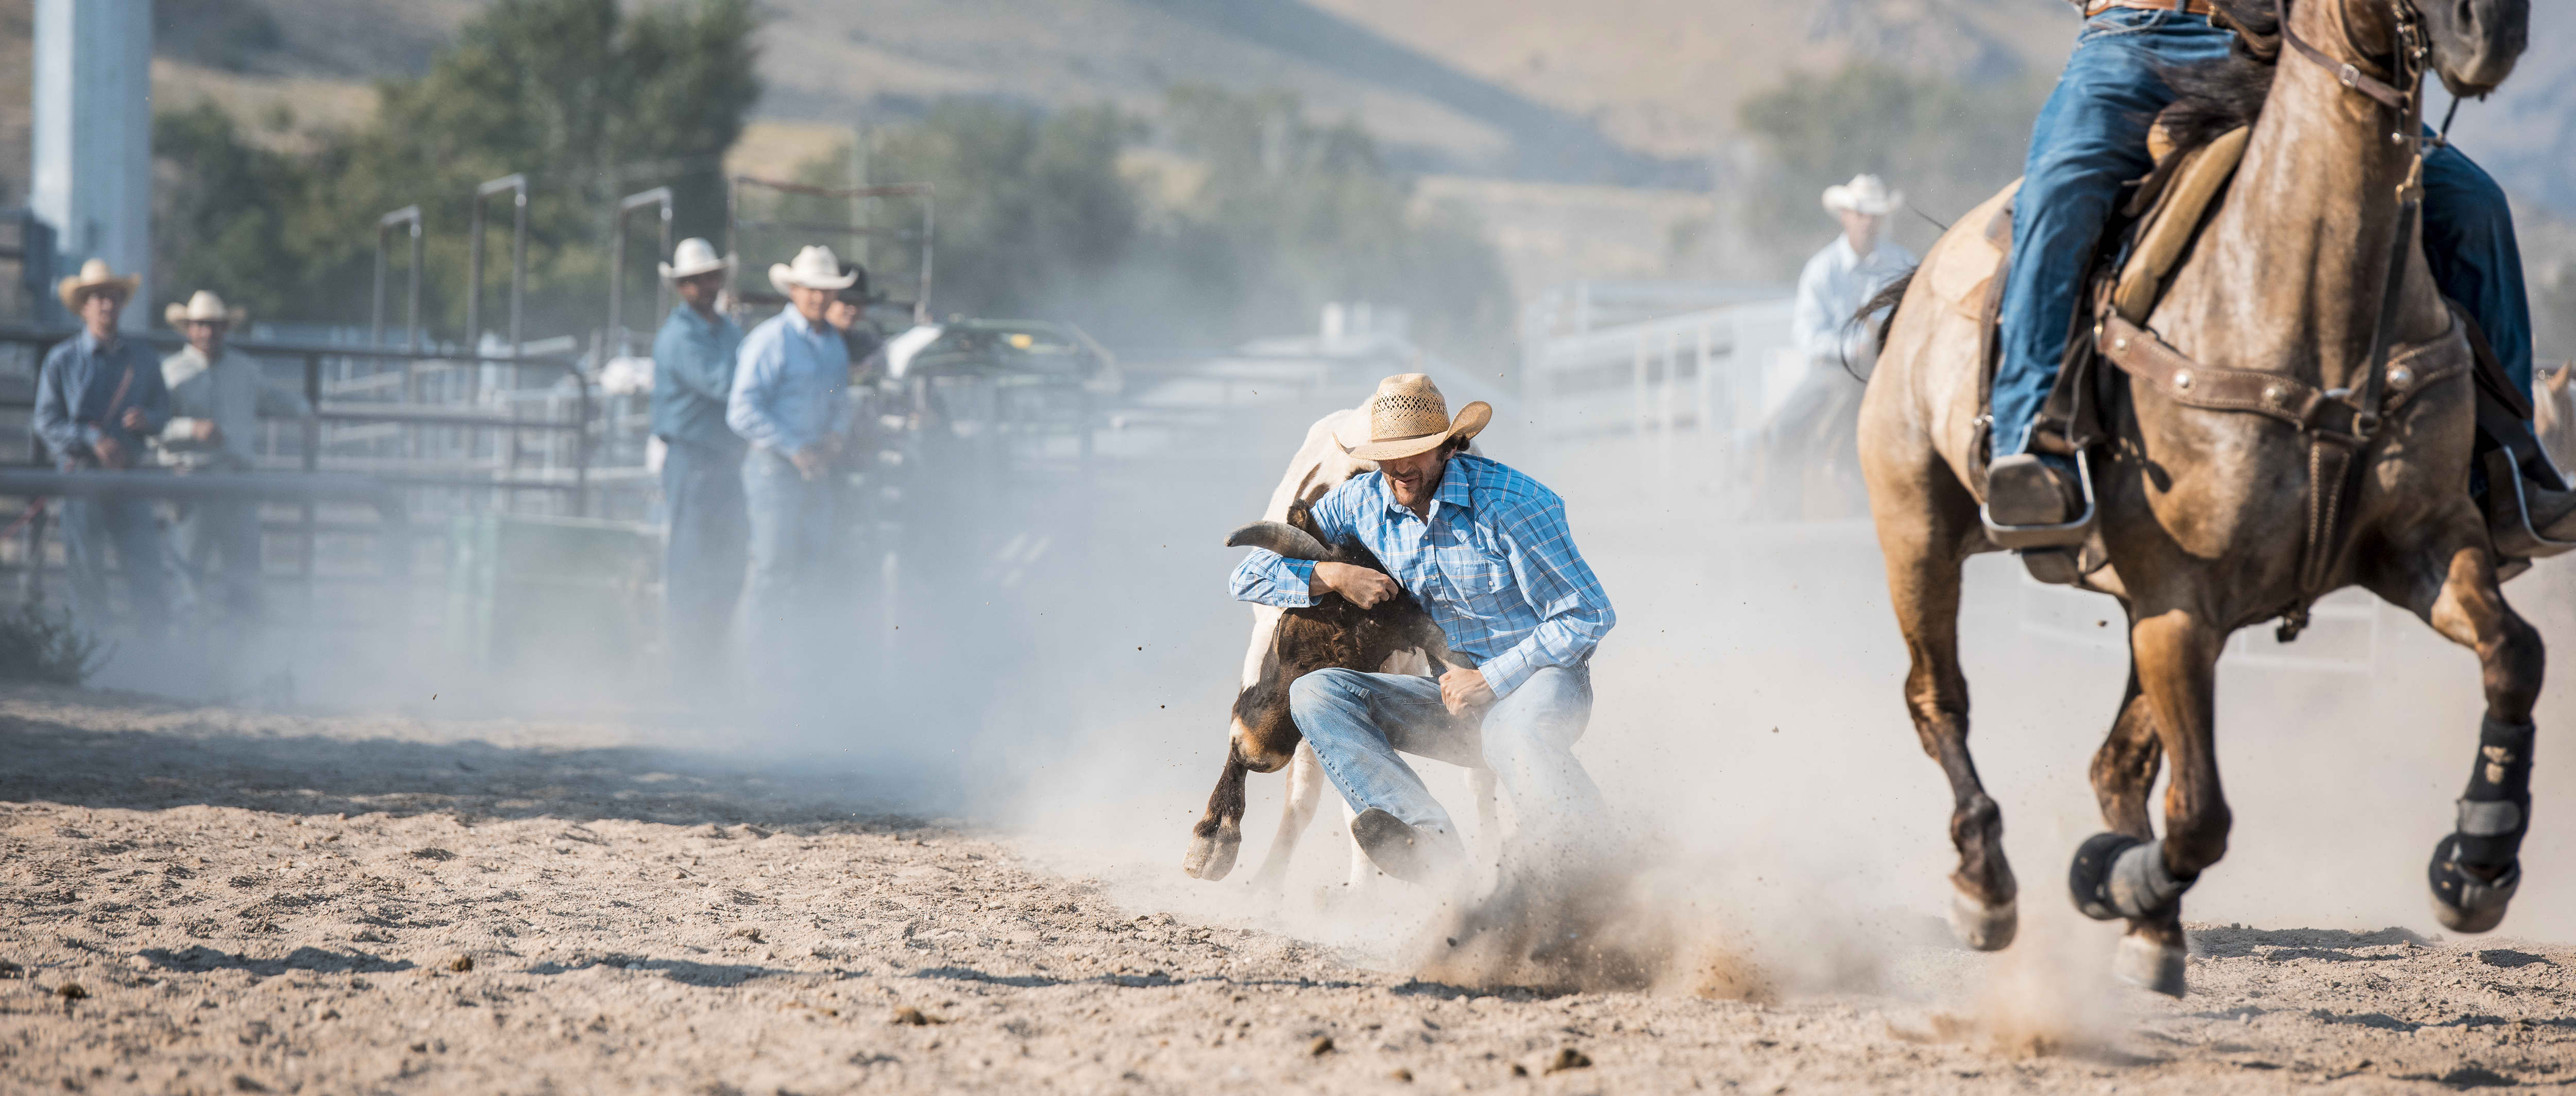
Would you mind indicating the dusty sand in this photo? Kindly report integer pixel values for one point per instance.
(254, 902)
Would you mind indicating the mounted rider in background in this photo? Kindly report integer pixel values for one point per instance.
(1814, 425)
(2089, 140)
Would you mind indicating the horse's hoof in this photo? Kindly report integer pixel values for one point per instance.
(1211, 856)
(1983, 927)
(2463, 902)
(2149, 965)
(2090, 877)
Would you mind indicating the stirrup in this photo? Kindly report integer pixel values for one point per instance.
(2067, 534)
(2509, 513)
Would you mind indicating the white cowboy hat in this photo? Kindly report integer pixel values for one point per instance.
(1408, 416)
(815, 268)
(1863, 194)
(204, 307)
(94, 276)
(693, 257)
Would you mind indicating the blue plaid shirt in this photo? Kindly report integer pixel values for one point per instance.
(1493, 562)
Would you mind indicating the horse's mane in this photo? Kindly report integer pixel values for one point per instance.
(2213, 97)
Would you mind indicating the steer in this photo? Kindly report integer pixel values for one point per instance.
(1396, 637)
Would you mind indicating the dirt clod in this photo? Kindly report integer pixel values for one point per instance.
(909, 1016)
(1322, 1045)
(1569, 1058)
(460, 963)
(70, 991)
(1401, 1074)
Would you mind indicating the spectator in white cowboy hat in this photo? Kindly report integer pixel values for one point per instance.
(693, 364)
(1821, 413)
(216, 400)
(788, 402)
(98, 396)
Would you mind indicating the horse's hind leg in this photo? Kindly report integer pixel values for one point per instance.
(2124, 769)
(2126, 874)
(1923, 582)
(2476, 869)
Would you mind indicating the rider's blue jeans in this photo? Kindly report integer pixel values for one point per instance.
(1358, 722)
(2092, 136)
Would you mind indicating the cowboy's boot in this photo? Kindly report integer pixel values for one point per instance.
(2027, 489)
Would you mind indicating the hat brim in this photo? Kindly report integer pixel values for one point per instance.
(783, 278)
(1839, 198)
(177, 315)
(1471, 421)
(675, 273)
(72, 287)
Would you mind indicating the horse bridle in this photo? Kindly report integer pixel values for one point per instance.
(2412, 58)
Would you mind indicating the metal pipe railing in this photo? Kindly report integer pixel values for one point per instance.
(517, 186)
(735, 224)
(658, 196)
(406, 216)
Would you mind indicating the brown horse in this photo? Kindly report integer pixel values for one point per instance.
(2204, 513)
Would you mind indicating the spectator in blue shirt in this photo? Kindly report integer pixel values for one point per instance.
(788, 402)
(1485, 550)
(693, 363)
(98, 396)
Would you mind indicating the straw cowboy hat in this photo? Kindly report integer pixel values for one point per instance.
(1408, 416)
(693, 257)
(94, 277)
(1863, 194)
(204, 307)
(815, 268)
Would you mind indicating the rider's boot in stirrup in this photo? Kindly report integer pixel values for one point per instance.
(2030, 489)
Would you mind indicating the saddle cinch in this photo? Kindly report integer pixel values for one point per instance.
(2154, 231)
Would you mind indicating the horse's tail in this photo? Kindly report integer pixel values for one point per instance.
(1887, 298)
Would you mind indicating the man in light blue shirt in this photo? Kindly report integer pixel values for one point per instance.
(1486, 551)
(98, 396)
(788, 403)
(693, 366)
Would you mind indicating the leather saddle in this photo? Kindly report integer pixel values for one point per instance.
(2152, 234)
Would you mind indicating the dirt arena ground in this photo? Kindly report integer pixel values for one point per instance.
(200, 901)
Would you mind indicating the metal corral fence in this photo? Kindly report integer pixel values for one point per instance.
(403, 445)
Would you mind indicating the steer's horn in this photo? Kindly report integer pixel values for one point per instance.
(1278, 536)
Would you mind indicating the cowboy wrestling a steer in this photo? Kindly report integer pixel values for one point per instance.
(1486, 552)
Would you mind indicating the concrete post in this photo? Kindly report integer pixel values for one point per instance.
(92, 170)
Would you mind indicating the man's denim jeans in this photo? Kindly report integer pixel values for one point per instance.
(1357, 723)
(702, 571)
(2091, 137)
(90, 525)
(225, 529)
(791, 538)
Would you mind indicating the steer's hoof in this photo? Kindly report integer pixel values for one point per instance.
(2463, 902)
(2148, 964)
(1211, 856)
(1983, 927)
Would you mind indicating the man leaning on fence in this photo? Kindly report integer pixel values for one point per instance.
(216, 400)
(97, 397)
(788, 402)
(693, 360)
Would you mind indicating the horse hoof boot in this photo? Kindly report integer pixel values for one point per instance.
(1211, 856)
(1983, 927)
(2149, 965)
(2464, 902)
(1397, 848)
(2090, 877)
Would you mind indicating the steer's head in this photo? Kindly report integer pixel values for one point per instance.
(1300, 642)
